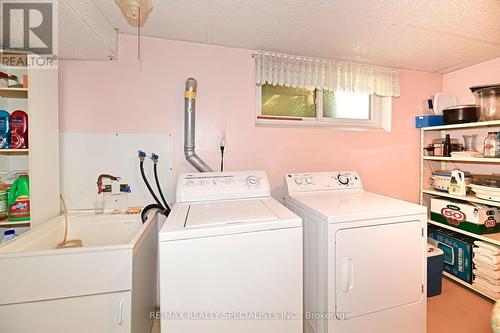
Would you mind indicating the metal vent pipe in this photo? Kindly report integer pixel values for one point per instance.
(189, 127)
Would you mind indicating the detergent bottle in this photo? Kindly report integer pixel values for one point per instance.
(4, 129)
(457, 183)
(19, 199)
(19, 130)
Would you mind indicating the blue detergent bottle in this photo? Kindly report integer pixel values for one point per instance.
(4, 129)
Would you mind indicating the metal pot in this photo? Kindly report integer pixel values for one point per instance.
(467, 113)
(441, 179)
(488, 99)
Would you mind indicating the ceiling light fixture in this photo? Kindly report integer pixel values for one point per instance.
(136, 11)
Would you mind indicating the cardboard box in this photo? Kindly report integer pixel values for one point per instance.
(476, 218)
(457, 250)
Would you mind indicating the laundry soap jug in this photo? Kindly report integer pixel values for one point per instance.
(18, 130)
(19, 199)
(4, 129)
(457, 183)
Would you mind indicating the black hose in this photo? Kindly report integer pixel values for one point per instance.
(149, 186)
(159, 188)
(148, 208)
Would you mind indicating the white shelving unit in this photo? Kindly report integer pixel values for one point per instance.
(40, 101)
(429, 133)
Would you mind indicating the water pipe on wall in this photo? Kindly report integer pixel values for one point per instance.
(189, 127)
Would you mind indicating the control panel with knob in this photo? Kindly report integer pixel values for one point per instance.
(222, 185)
(323, 181)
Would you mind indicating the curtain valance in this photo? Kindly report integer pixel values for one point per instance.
(307, 72)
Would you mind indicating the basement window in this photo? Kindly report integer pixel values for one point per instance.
(279, 105)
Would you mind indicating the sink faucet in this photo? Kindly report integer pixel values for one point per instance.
(100, 188)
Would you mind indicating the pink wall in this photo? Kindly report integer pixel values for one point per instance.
(458, 82)
(147, 96)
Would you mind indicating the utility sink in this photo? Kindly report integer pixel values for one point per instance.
(107, 285)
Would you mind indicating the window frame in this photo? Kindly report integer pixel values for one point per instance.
(380, 114)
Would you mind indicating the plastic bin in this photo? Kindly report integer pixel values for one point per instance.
(435, 267)
(457, 250)
(428, 120)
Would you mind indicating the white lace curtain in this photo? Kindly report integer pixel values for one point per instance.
(306, 72)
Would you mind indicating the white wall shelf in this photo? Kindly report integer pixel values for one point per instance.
(14, 92)
(14, 223)
(41, 160)
(466, 284)
(492, 123)
(490, 238)
(469, 197)
(487, 165)
(14, 151)
(462, 159)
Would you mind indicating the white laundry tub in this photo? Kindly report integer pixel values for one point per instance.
(108, 285)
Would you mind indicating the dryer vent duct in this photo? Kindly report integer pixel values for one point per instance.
(189, 122)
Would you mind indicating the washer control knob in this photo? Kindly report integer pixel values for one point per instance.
(309, 180)
(343, 179)
(252, 181)
(298, 180)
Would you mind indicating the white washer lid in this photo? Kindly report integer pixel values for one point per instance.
(206, 214)
(216, 218)
(354, 205)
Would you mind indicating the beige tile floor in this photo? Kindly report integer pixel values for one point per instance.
(456, 310)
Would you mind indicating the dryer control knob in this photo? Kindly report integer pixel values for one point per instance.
(298, 181)
(252, 181)
(309, 180)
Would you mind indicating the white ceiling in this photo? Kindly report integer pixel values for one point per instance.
(428, 35)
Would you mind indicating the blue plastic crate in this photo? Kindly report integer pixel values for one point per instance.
(457, 250)
(429, 120)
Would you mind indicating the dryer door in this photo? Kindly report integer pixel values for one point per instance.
(378, 267)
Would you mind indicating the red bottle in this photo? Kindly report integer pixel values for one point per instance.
(18, 130)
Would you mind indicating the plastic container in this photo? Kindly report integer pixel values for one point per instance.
(8, 235)
(4, 129)
(19, 130)
(457, 250)
(428, 120)
(19, 199)
(488, 99)
(457, 183)
(491, 143)
(435, 267)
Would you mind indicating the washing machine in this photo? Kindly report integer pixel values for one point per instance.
(364, 256)
(230, 258)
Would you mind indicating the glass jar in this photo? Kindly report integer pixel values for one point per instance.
(470, 142)
(491, 144)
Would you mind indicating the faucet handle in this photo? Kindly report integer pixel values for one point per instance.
(141, 155)
(154, 157)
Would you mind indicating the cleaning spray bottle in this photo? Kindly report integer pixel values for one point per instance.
(457, 183)
(19, 199)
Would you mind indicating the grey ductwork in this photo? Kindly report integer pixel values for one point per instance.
(189, 128)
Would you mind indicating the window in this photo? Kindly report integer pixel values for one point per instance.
(300, 106)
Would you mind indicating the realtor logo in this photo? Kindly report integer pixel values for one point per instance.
(28, 26)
